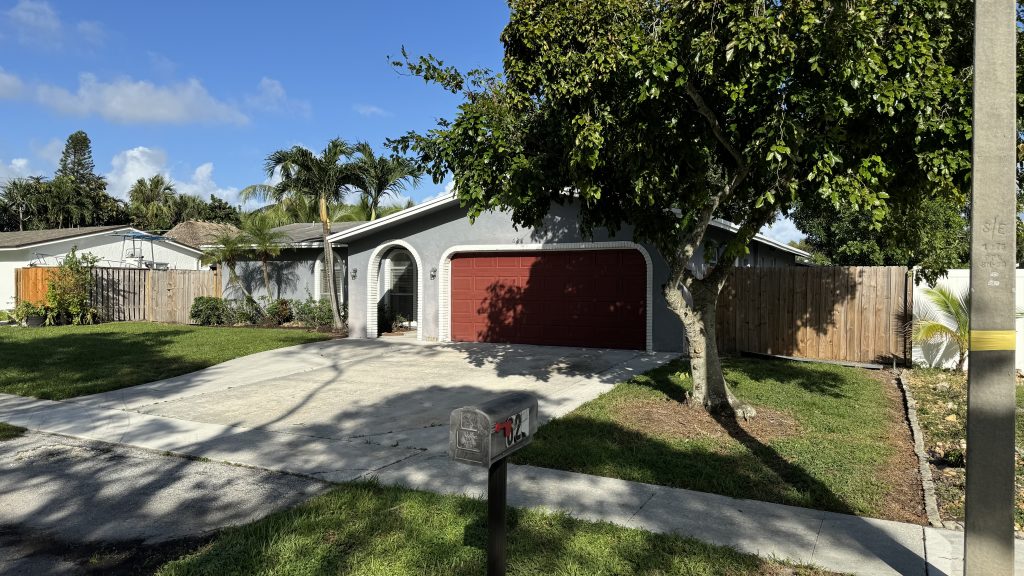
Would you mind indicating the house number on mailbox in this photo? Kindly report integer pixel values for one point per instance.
(515, 429)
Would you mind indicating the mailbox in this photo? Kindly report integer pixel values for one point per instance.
(485, 434)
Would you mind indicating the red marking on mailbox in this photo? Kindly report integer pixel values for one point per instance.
(505, 427)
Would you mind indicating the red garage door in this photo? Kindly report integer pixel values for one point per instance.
(580, 298)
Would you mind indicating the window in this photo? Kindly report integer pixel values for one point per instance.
(402, 285)
(320, 279)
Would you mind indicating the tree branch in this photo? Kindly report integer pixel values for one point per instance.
(741, 164)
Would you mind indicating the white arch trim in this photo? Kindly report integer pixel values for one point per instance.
(373, 286)
(444, 290)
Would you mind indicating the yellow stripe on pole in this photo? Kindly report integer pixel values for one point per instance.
(982, 340)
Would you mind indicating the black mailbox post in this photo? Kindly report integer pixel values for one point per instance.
(486, 435)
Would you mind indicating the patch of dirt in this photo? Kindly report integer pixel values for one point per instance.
(669, 418)
(904, 501)
(109, 559)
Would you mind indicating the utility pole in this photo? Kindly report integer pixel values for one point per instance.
(989, 539)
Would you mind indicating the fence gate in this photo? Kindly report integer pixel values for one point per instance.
(170, 293)
(854, 314)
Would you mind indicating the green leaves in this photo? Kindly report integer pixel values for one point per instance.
(649, 114)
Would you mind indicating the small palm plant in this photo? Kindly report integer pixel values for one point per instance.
(947, 320)
(265, 243)
(228, 249)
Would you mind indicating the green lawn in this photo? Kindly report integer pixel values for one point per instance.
(823, 438)
(366, 529)
(66, 361)
(9, 432)
(942, 412)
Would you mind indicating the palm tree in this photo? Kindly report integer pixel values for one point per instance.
(22, 196)
(264, 243)
(361, 210)
(293, 209)
(379, 177)
(227, 249)
(322, 178)
(150, 202)
(948, 319)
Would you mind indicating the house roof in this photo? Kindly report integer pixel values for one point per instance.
(306, 232)
(13, 240)
(451, 200)
(391, 219)
(30, 238)
(196, 233)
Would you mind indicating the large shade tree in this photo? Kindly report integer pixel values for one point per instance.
(664, 115)
(322, 179)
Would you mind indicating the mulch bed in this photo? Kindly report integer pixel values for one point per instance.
(669, 418)
(905, 502)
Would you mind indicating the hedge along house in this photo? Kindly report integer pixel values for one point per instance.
(297, 272)
(491, 282)
(114, 246)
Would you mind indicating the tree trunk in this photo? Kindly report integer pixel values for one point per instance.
(329, 265)
(709, 387)
(235, 280)
(266, 279)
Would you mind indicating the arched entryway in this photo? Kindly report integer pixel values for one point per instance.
(395, 287)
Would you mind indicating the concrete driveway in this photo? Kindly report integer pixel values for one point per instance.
(392, 392)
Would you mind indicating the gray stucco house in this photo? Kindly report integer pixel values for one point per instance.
(298, 272)
(488, 281)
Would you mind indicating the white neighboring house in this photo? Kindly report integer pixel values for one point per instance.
(115, 246)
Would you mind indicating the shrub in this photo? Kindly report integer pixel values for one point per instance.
(279, 311)
(68, 291)
(209, 311)
(4, 315)
(24, 309)
(244, 312)
(385, 318)
(315, 313)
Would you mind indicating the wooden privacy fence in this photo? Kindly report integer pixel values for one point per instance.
(169, 293)
(854, 314)
(31, 284)
(128, 294)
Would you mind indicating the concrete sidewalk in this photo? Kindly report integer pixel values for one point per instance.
(833, 541)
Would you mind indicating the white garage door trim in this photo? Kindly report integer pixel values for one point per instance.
(444, 290)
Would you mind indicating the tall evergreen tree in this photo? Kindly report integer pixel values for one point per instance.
(77, 164)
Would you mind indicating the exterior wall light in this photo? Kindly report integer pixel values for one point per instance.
(355, 272)
(433, 273)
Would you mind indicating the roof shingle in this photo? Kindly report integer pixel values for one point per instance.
(34, 237)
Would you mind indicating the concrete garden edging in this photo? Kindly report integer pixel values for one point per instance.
(931, 505)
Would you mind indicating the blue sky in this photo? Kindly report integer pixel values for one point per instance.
(203, 91)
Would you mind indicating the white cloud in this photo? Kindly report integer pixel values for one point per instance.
(136, 101)
(129, 165)
(16, 168)
(36, 22)
(92, 32)
(10, 85)
(271, 97)
(132, 164)
(370, 110)
(202, 184)
(445, 192)
(782, 230)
